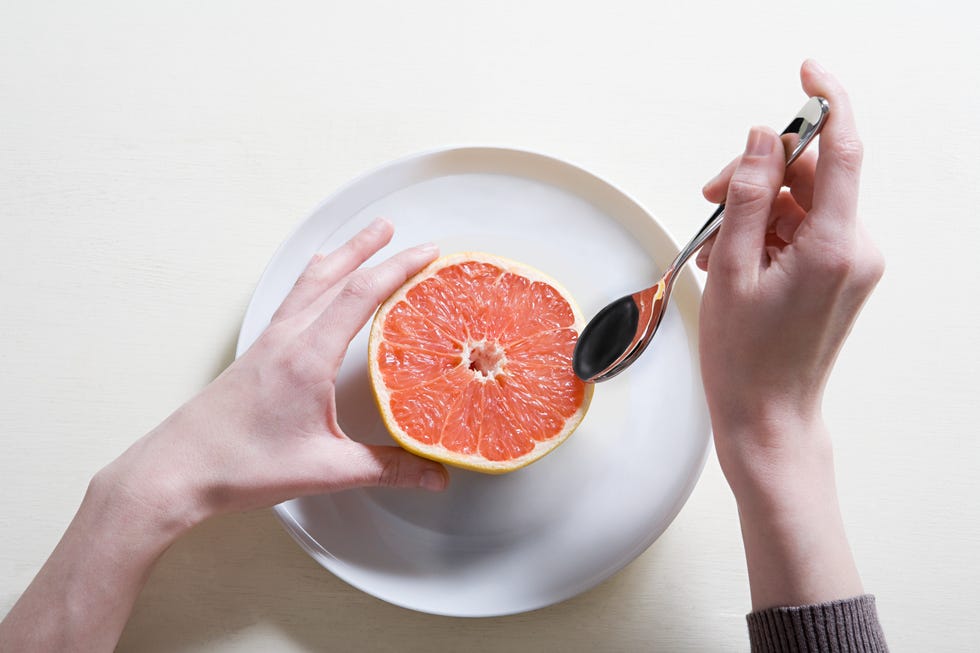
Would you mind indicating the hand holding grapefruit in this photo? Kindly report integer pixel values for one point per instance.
(471, 363)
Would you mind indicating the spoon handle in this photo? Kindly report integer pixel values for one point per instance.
(797, 135)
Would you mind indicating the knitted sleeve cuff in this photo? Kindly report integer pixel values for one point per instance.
(845, 626)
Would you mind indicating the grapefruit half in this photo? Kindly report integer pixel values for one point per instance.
(471, 363)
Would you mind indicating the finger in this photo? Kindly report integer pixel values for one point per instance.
(303, 286)
(714, 190)
(323, 271)
(386, 466)
(309, 314)
(836, 178)
(799, 178)
(788, 215)
(786, 218)
(364, 290)
(704, 255)
(739, 247)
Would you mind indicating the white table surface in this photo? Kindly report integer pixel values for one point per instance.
(152, 157)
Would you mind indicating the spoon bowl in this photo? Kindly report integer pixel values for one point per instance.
(620, 332)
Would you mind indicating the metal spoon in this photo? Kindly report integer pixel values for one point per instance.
(621, 331)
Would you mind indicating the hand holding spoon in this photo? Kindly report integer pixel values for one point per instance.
(621, 331)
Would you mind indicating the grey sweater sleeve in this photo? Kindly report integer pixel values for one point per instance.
(846, 626)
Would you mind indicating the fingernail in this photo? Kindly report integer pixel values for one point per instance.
(432, 480)
(817, 67)
(377, 224)
(759, 143)
(427, 248)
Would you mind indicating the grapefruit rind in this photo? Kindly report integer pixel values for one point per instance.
(434, 451)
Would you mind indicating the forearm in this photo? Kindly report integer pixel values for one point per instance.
(84, 593)
(796, 548)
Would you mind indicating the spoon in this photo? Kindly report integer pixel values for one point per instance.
(621, 331)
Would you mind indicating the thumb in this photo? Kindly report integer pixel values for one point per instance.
(740, 246)
(388, 466)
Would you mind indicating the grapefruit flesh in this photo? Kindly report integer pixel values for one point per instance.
(471, 363)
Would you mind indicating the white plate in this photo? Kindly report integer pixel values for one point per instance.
(494, 545)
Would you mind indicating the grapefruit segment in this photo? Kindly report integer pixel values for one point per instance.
(405, 367)
(462, 429)
(421, 411)
(408, 328)
(471, 363)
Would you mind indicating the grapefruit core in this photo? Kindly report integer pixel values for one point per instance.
(471, 363)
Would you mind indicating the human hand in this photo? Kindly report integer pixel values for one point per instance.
(787, 275)
(266, 429)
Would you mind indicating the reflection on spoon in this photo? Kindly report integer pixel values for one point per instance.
(621, 331)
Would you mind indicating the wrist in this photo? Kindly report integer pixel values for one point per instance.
(774, 456)
(781, 471)
(124, 499)
(146, 485)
